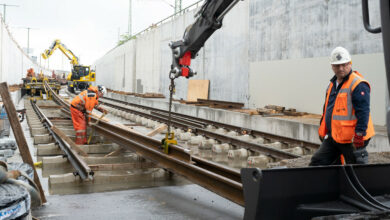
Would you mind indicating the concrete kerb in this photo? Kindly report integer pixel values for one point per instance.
(38, 131)
(43, 139)
(150, 178)
(53, 149)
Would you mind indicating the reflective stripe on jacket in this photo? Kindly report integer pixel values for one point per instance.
(86, 100)
(343, 115)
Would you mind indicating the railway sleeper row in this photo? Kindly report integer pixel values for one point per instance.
(123, 171)
(202, 145)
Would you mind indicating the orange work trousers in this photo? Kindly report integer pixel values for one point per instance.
(79, 125)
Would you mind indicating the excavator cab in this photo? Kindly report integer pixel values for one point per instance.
(80, 71)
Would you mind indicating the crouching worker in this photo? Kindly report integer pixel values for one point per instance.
(82, 106)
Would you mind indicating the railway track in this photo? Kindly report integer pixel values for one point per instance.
(257, 148)
(199, 141)
(225, 181)
(74, 168)
(217, 178)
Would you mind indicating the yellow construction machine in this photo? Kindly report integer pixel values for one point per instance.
(81, 76)
(35, 86)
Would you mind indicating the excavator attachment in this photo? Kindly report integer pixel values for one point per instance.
(305, 193)
(207, 20)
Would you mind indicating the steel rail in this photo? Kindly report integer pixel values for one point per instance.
(198, 129)
(79, 165)
(177, 123)
(219, 179)
(216, 178)
(301, 143)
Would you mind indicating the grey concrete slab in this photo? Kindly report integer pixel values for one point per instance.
(38, 131)
(168, 202)
(42, 139)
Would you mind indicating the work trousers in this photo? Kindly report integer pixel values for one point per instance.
(330, 151)
(79, 125)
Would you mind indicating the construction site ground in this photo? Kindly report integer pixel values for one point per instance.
(178, 200)
(183, 201)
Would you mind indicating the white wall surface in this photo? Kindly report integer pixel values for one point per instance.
(256, 56)
(13, 61)
(301, 83)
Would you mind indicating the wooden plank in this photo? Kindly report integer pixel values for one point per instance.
(221, 104)
(276, 108)
(157, 130)
(19, 135)
(197, 89)
(68, 140)
(115, 152)
(122, 166)
(150, 134)
(247, 111)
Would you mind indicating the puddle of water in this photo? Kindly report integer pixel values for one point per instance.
(131, 181)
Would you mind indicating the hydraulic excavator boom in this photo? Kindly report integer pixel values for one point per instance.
(74, 60)
(207, 20)
(81, 76)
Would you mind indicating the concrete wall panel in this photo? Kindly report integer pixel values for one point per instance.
(296, 29)
(267, 52)
(301, 83)
(13, 61)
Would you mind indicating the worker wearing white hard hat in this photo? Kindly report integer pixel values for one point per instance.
(346, 126)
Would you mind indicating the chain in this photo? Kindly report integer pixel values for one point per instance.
(171, 92)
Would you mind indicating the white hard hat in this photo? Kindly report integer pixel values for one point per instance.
(340, 55)
(102, 89)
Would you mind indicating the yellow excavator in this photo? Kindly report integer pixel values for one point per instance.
(81, 76)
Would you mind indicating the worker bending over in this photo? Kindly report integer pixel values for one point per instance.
(346, 126)
(82, 106)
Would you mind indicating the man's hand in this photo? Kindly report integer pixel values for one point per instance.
(321, 138)
(358, 140)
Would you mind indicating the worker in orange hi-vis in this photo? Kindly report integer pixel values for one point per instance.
(30, 72)
(82, 106)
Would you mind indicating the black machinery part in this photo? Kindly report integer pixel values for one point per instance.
(304, 193)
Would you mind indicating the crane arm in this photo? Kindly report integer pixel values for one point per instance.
(74, 60)
(207, 20)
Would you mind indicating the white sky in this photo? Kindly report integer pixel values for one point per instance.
(87, 27)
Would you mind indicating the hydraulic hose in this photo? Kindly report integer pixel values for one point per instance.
(31, 187)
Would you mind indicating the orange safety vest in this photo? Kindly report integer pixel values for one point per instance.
(87, 99)
(343, 116)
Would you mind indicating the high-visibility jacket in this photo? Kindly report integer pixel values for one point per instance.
(86, 100)
(343, 115)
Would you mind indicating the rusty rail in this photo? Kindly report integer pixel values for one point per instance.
(198, 129)
(79, 165)
(219, 179)
(177, 116)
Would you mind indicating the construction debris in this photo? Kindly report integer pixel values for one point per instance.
(143, 95)
(214, 103)
(275, 110)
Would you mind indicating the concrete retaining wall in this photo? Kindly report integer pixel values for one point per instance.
(13, 61)
(267, 52)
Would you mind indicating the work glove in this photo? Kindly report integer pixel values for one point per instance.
(321, 138)
(358, 140)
